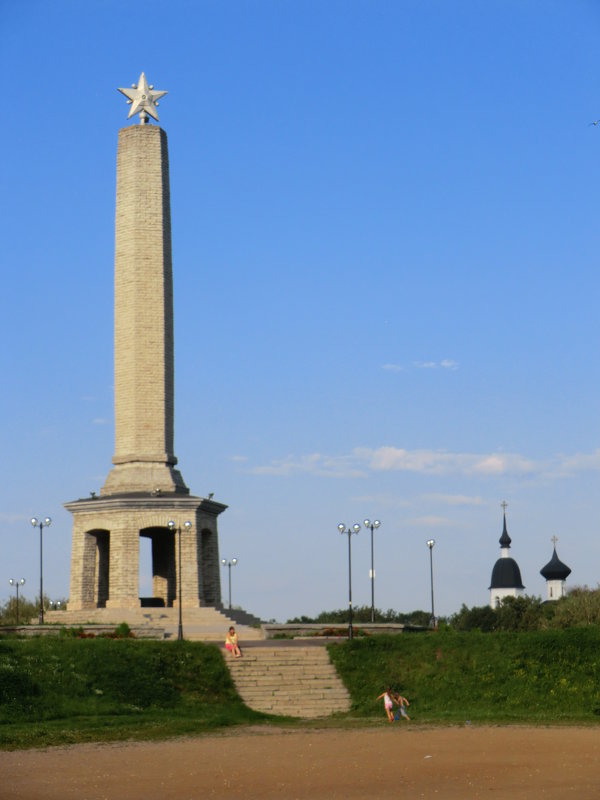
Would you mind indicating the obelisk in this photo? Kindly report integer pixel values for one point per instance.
(144, 395)
(143, 495)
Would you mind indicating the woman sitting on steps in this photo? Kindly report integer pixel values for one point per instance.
(231, 643)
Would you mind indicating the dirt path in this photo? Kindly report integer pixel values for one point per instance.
(392, 761)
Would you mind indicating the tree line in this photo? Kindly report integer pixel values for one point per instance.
(580, 607)
(28, 609)
(362, 614)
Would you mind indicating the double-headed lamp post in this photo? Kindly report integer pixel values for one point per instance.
(172, 527)
(349, 531)
(17, 584)
(430, 543)
(45, 523)
(373, 526)
(229, 565)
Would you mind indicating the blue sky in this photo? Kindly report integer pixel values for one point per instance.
(385, 247)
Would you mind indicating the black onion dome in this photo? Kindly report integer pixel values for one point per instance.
(555, 570)
(506, 575)
(505, 539)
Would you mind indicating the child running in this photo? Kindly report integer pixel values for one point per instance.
(401, 702)
(388, 703)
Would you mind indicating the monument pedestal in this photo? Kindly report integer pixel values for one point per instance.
(106, 546)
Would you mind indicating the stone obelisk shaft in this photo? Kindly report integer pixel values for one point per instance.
(144, 392)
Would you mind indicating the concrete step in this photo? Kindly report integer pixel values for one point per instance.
(300, 676)
(299, 682)
(198, 624)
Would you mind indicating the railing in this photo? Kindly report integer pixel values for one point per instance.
(335, 630)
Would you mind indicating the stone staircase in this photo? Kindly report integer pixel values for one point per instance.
(289, 681)
(199, 624)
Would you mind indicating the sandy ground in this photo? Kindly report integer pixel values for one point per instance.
(399, 760)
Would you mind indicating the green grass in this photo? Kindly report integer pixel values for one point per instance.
(56, 690)
(534, 677)
(62, 690)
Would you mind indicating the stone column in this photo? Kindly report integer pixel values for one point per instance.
(123, 589)
(144, 395)
(83, 568)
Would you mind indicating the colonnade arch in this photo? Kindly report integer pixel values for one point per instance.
(162, 566)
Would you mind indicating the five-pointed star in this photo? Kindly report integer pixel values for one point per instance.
(143, 98)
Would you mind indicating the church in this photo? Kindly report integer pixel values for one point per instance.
(506, 575)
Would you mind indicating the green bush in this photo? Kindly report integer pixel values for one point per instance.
(580, 607)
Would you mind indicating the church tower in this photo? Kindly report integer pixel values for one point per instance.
(144, 492)
(556, 574)
(506, 575)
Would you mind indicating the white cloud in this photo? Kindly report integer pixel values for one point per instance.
(314, 464)
(445, 363)
(503, 463)
(363, 460)
(100, 421)
(437, 462)
(393, 367)
(578, 462)
(448, 363)
(423, 461)
(425, 364)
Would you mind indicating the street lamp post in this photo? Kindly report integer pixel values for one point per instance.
(349, 531)
(188, 526)
(17, 584)
(430, 543)
(373, 526)
(45, 523)
(229, 565)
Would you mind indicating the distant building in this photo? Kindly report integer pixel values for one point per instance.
(506, 575)
(555, 573)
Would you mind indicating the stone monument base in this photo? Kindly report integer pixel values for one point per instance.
(200, 624)
(105, 553)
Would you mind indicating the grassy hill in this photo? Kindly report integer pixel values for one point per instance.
(56, 690)
(539, 676)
